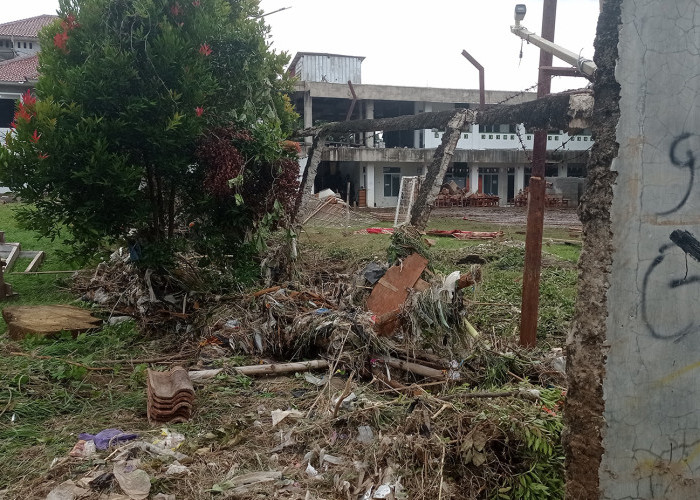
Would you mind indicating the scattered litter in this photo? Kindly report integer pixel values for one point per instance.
(232, 324)
(383, 491)
(531, 394)
(170, 440)
(133, 481)
(176, 469)
(366, 435)
(83, 449)
(373, 272)
(242, 484)
(312, 379)
(67, 490)
(311, 471)
(375, 230)
(107, 438)
(117, 320)
(163, 496)
(279, 415)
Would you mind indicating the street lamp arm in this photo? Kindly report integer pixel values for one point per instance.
(585, 66)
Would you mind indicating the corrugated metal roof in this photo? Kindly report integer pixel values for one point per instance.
(29, 27)
(299, 55)
(20, 69)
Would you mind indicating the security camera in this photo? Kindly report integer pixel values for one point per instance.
(520, 11)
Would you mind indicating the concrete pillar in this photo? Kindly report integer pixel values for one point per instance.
(519, 178)
(418, 107)
(562, 170)
(503, 186)
(369, 115)
(369, 179)
(308, 115)
(473, 178)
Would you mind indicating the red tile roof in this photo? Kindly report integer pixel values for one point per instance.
(26, 27)
(20, 69)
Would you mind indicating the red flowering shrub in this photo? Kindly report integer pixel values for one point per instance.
(131, 135)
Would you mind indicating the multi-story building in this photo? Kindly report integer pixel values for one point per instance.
(493, 160)
(19, 63)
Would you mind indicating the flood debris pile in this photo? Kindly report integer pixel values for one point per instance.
(357, 384)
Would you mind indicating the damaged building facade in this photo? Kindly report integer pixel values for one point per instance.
(493, 159)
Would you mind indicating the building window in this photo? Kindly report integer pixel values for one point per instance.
(7, 112)
(25, 45)
(392, 181)
(30, 45)
(19, 45)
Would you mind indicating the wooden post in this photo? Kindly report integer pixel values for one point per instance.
(535, 213)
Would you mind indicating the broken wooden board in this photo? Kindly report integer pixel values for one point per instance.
(9, 252)
(391, 291)
(37, 257)
(47, 320)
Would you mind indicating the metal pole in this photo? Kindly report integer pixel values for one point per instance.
(535, 208)
(482, 90)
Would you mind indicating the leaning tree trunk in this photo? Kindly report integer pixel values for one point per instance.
(306, 187)
(430, 188)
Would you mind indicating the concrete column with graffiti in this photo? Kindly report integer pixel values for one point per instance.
(652, 372)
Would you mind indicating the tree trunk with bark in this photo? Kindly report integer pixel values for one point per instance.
(430, 188)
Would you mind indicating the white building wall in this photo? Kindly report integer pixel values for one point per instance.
(476, 140)
(380, 200)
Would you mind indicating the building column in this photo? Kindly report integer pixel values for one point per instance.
(369, 115)
(502, 186)
(418, 107)
(473, 178)
(519, 178)
(308, 115)
(369, 184)
(563, 170)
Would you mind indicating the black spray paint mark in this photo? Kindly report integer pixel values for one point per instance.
(690, 245)
(689, 163)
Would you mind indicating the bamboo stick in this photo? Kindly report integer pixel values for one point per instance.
(302, 366)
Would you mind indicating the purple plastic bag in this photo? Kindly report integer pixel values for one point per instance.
(106, 438)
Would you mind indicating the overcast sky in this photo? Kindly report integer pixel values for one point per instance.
(410, 42)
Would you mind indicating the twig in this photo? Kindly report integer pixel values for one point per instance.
(266, 290)
(345, 394)
(442, 468)
(45, 272)
(147, 360)
(36, 356)
(470, 395)
(9, 401)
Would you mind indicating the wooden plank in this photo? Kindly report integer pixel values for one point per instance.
(392, 290)
(36, 262)
(13, 255)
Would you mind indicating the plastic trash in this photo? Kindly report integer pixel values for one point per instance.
(365, 434)
(108, 437)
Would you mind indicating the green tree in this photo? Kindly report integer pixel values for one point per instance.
(128, 93)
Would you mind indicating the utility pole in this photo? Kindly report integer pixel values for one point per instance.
(535, 208)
